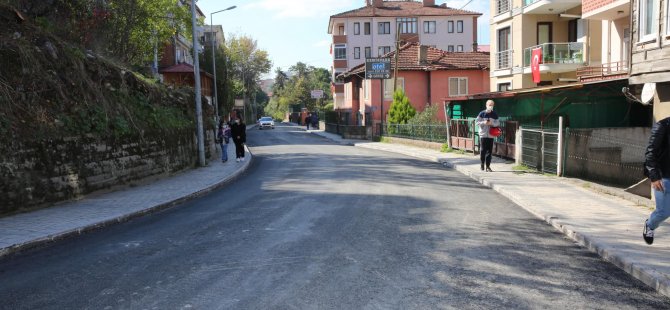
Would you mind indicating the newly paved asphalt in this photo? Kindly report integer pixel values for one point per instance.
(314, 225)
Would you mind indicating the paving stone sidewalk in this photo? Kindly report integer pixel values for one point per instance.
(31, 229)
(605, 224)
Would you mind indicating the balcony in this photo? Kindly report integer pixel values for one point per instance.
(504, 60)
(609, 71)
(556, 57)
(605, 9)
(340, 39)
(549, 6)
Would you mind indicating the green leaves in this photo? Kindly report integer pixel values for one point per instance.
(401, 110)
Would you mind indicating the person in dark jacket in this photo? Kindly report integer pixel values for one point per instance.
(239, 132)
(657, 168)
(485, 120)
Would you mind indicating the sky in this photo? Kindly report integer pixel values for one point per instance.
(297, 30)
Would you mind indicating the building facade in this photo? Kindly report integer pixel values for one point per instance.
(650, 59)
(371, 31)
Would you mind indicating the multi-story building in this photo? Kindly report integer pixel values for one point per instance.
(520, 26)
(650, 60)
(212, 35)
(370, 31)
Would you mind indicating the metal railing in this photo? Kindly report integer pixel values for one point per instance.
(502, 6)
(556, 53)
(608, 69)
(432, 133)
(539, 148)
(504, 59)
(529, 2)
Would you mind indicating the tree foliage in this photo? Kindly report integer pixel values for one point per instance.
(297, 89)
(401, 111)
(427, 117)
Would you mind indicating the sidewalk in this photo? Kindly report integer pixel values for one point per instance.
(605, 224)
(31, 229)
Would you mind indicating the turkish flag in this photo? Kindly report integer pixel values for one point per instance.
(536, 59)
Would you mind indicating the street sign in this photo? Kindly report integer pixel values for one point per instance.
(239, 103)
(317, 94)
(378, 68)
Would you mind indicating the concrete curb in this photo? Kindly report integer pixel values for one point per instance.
(652, 278)
(14, 249)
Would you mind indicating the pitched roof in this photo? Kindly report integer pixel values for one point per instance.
(182, 68)
(404, 9)
(437, 59)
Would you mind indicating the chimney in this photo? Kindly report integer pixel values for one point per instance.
(378, 3)
(428, 2)
(423, 54)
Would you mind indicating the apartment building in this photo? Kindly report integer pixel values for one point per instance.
(554, 26)
(370, 31)
(650, 60)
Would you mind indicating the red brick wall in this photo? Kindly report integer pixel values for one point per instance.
(590, 5)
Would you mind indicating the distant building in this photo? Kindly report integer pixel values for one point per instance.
(370, 31)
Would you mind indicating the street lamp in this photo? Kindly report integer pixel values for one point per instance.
(213, 39)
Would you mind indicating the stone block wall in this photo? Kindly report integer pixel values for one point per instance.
(40, 172)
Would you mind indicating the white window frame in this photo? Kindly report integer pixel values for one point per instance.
(368, 52)
(459, 26)
(450, 48)
(642, 21)
(341, 46)
(382, 29)
(503, 83)
(458, 90)
(382, 50)
(429, 26)
(357, 53)
(357, 28)
(369, 30)
(450, 26)
(459, 48)
(388, 85)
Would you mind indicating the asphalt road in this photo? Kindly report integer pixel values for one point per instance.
(314, 225)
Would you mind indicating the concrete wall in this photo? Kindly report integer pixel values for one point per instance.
(662, 101)
(41, 172)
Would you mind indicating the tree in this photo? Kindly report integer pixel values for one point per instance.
(401, 111)
(427, 117)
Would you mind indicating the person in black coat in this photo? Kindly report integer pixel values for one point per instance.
(239, 132)
(657, 168)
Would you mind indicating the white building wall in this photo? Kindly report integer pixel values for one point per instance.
(442, 38)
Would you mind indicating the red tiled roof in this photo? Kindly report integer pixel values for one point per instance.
(437, 59)
(404, 9)
(182, 68)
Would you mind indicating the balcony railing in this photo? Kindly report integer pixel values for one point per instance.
(608, 70)
(557, 53)
(502, 6)
(504, 60)
(529, 2)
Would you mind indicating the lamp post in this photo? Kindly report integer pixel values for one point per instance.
(213, 39)
(198, 99)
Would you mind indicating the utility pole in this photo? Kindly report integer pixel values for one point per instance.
(198, 96)
(395, 66)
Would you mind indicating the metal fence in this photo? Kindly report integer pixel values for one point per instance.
(539, 148)
(432, 133)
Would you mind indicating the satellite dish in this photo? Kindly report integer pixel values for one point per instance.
(648, 92)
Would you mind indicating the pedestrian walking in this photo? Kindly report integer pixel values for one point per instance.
(657, 169)
(308, 119)
(485, 120)
(223, 140)
(239, 133)
(315, 121)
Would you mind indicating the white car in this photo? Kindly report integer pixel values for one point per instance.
(266, 122)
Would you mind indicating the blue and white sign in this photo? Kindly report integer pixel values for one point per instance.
(378, 68)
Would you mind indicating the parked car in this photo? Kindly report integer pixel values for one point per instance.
(266, 122)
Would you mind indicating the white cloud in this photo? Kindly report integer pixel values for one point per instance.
(303, 8)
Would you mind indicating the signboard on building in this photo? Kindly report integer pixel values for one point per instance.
(317, 94)
(239, 103)
(378, 68)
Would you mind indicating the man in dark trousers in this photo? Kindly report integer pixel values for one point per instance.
(657, 168)
(239, 133)
(485, 120)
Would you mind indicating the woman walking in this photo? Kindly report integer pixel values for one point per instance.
(239, 133)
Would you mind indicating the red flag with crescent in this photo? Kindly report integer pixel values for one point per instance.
(536, 59)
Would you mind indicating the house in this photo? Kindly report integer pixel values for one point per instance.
(370, 31)
(426, 74)
(650, 60)
(212, 35)
(182, 75)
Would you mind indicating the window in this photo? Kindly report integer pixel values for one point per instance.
(366, 28)
(384, 28)
(450, 48)
(357, 53)
(383, 50)
(459, 26)
(450, 26)
(407, 24)
(368, 52)
(340, 30)
(646, 20)
(429, 27)
(505, 86)
(340, 51)
(388, 87)
(459, 48)
(458, 86)
(357, 28)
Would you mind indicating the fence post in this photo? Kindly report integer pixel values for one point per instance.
(473, 138)
(518, 146)
(559, 157)
(541, 165)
